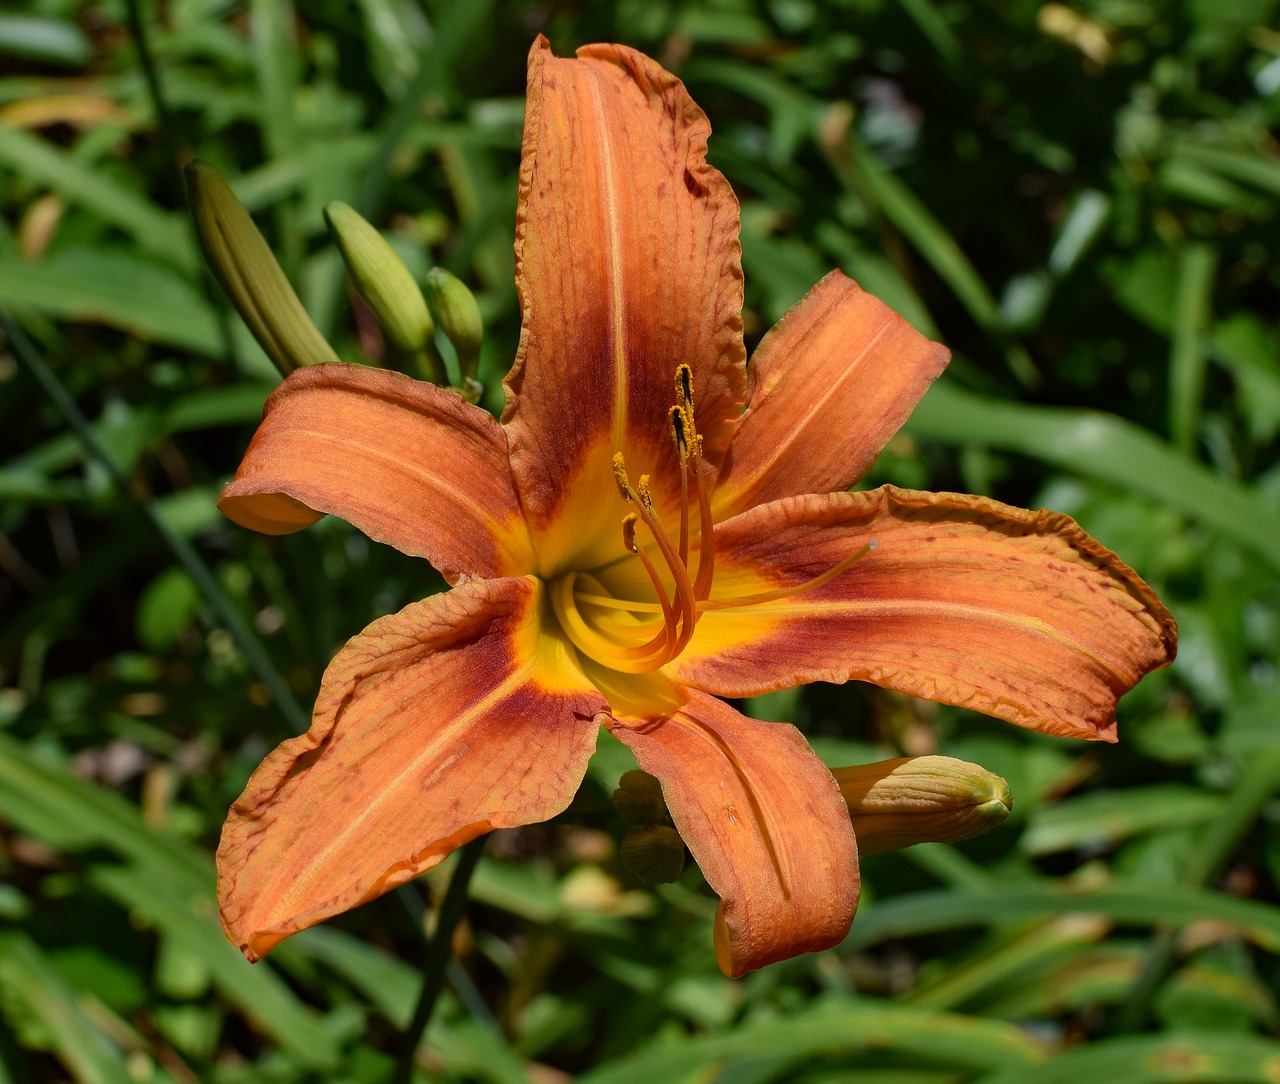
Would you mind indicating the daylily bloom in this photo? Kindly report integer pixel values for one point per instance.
(651, 526)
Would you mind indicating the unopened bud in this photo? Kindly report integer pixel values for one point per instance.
(458, 315)
(387, 285)
(654, 855)
(898, 803)
(243, 265)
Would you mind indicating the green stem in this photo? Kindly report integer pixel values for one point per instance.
(186, 554)
(173, 142)
(439, 951)
(1261, 780)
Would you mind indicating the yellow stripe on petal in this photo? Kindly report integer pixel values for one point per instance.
(1016, 614)
(829, 385)
(764, 820)
(408, 463)
(628, 265)
(455, 716)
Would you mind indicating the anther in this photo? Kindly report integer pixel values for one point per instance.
(620, 476)
(679, 420)
(642, 491)
(629, 532)
(684, 387)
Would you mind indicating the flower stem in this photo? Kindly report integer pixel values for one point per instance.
(439, 950)
(174, 145)
(241, 631)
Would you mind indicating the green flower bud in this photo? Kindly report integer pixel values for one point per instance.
(243, 265)
(654, 855)
(458, 315)
(387, 285)
(898, 803)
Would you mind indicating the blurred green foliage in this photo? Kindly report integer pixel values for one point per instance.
(1080, 199)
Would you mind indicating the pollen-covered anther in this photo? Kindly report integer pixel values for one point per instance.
(620, 476)
(684, 387)
(629, 532)
(642, 491)
(680, 428)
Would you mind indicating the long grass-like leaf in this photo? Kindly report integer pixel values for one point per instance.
(1101, 446)
(165, 881)
(832, 1028)
(1137, 905)
(240, 629)
(1178, 1058)
(27, 976)
(155, 231)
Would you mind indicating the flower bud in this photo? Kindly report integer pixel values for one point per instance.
(654, 854)
(244, 267)
(897, 803)
(458, 315)
(387, 285)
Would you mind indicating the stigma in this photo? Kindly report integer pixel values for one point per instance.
(642, 635)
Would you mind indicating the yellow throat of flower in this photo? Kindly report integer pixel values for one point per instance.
(637, 636)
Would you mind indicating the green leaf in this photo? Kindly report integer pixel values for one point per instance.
(1104, 447)
(167, 605)
(835, 1027)
(52, 1006)
(164, 881)
(115, 287)
(162, 233)
(931, 239)
(1189, 357)
(45, 40)
(1178, 1058)
(1131, 904)
(1107, 817)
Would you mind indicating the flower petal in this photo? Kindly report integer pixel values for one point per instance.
(408, 463)
(765, 821)
(627, 263)
(1016, 614)
(828, 387)
(451, 718)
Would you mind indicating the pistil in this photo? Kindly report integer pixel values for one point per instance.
(613, 631)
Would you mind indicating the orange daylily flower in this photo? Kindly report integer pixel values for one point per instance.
(629, 543)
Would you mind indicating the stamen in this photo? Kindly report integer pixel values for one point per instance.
(620, 476)
(629, 532)
(680, 427)
(684, 387)
(687, 614)
(668, 613)
(642, 491)
(609, 645)
(608, 602)
(706, 551)
(790, 592)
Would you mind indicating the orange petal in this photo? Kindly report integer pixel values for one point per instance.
(765, 821)
(408, 463)
(1017, 614)
(627, 263)
(829, 385)
(434, 725)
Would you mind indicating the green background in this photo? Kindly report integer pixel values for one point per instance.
(1081, 201)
